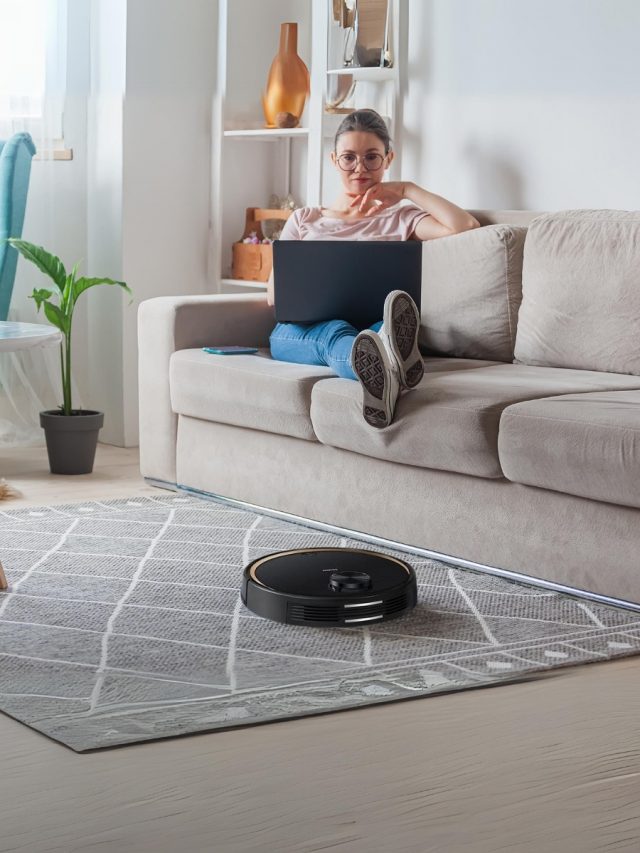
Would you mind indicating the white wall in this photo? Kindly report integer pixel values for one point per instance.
(149, 186)
(171, 60)
(524, 105)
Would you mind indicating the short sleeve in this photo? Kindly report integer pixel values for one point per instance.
(291, 230)
(411, 215)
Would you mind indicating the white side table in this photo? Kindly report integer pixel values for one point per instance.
(15, 336)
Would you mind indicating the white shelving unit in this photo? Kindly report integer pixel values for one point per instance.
(372, 75)
(251, 162)
(266, 133)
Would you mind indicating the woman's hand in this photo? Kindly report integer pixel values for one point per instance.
(379, 197)
(270, 294)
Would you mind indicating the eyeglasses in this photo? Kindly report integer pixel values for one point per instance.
(371, 161)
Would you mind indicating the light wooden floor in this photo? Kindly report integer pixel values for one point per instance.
(549, 766)
(115, 474)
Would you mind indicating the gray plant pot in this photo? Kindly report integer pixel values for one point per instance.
(71, 440)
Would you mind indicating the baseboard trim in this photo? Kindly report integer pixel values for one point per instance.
(399, 546)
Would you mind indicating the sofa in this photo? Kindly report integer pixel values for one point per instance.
(518, 453)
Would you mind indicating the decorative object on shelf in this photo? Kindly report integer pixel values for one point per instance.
(272, 228)
(372, 34)
(252, 260)
(344, 12)
(71, 434)
(287, 84)
(340, 88)
(284, 120)
(363, 39)
(342, 40)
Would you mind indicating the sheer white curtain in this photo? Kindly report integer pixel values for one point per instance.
(33, 55)
(33, 50)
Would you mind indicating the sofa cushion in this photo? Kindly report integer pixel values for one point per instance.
(245, 390)
(581, 444)
(471, 293)
(581, 291)
(450, 421)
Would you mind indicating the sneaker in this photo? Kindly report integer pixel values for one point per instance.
(378, 377)
(399, 332)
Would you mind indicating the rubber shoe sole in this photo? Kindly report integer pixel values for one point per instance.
(400, 333)
(380, 385)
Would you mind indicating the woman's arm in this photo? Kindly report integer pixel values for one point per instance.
(454, 218)
(270, 296)
(445, 217)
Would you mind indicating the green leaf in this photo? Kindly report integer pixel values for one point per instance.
(66, 302)
(68, 298)
(40, 296)
(47, 263)
(83, 284)
(55, 316)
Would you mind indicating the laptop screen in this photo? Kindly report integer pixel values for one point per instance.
(317, 280)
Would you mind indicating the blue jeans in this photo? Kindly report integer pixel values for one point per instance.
(328, 343)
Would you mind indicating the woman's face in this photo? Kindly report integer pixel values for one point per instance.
(360, 160)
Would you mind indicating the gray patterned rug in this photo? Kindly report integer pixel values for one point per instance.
(123, 623)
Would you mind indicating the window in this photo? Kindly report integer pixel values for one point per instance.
(32, 67)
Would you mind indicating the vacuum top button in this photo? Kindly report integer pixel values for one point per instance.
(340, 581)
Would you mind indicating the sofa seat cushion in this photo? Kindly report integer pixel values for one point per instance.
(450, 421)
(252, 391)
(580, 444)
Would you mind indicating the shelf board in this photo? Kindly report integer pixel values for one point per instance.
(373, 75)
(266, 132)
(241, 282)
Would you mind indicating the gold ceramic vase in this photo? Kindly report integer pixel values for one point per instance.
(287, 84)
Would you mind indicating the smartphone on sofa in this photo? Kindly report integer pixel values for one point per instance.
(230, 350)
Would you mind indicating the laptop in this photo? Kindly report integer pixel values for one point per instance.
(317, 280)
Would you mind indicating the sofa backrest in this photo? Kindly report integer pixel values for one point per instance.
(505, 217)
(472, 288)
(581, 292)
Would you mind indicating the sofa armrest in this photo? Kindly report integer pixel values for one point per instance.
(167, 324)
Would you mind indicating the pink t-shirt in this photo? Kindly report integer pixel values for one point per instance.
(395, 223)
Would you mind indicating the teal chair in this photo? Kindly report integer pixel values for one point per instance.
(15, 167)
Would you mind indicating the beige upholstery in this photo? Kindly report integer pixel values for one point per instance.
(450, 422)
(251, 391)
(167, 324)
(471, 293)
(581, 444)
(506, 217)
(584, 544)
(581, 291)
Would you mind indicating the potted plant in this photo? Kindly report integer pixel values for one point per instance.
(71, 434)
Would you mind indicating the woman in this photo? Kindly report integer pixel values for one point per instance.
(385, 358)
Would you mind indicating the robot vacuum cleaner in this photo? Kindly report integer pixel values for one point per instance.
(329, 587)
